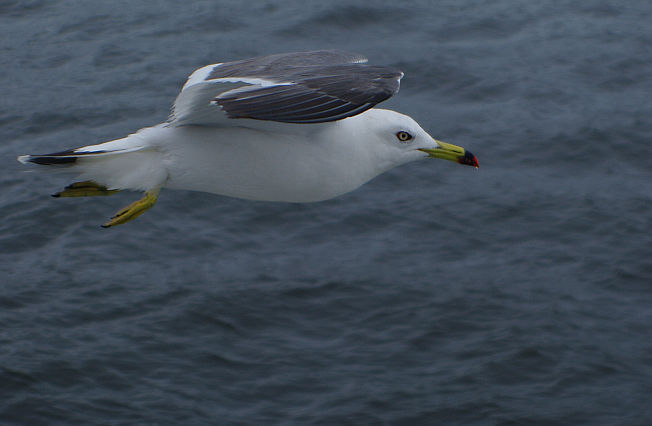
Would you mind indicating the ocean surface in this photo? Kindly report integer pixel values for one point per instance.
(519, 293)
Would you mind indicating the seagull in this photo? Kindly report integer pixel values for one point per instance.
(293, 127)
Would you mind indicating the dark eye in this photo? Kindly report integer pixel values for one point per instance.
(403, 136)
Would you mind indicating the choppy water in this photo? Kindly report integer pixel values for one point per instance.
(435, 294)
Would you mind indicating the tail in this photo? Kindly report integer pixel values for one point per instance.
(70, 157)
(127, 163)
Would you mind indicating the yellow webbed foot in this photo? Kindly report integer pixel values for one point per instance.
(135, 209)
(85, 189)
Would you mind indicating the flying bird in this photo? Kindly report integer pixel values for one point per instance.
(293, 127)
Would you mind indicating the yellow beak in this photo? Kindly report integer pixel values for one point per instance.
(450, 152)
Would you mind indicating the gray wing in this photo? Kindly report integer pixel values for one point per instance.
(302, 87)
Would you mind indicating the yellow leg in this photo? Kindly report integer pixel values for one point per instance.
(85, 189)
(135, 209)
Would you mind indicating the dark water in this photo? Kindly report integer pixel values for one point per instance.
(520, 293)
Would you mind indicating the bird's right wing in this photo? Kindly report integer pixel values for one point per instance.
(303, 87)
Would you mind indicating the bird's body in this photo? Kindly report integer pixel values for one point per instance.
(303, 164)
(246, 163)
(299, 128)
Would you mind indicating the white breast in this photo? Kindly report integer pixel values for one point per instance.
(257, 165)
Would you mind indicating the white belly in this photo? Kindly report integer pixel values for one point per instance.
(246, 163)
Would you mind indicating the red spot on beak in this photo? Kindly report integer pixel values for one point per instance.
(469, 159)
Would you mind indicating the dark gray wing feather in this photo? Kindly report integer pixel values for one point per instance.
(318, 94)
(302, 87)
(279, 64)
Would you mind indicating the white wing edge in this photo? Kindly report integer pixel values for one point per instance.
(199, 75)
(196, 104)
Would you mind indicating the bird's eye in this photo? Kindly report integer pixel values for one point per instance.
(403, 136)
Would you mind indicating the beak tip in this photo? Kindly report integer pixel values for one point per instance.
(469, 159)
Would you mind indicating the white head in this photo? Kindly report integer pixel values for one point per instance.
(396, 139)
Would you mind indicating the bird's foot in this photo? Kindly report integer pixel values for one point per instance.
(85, 189)
(135, 209)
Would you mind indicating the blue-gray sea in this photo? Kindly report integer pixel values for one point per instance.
(520, 293)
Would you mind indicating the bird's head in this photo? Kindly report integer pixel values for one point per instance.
(403, 140)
